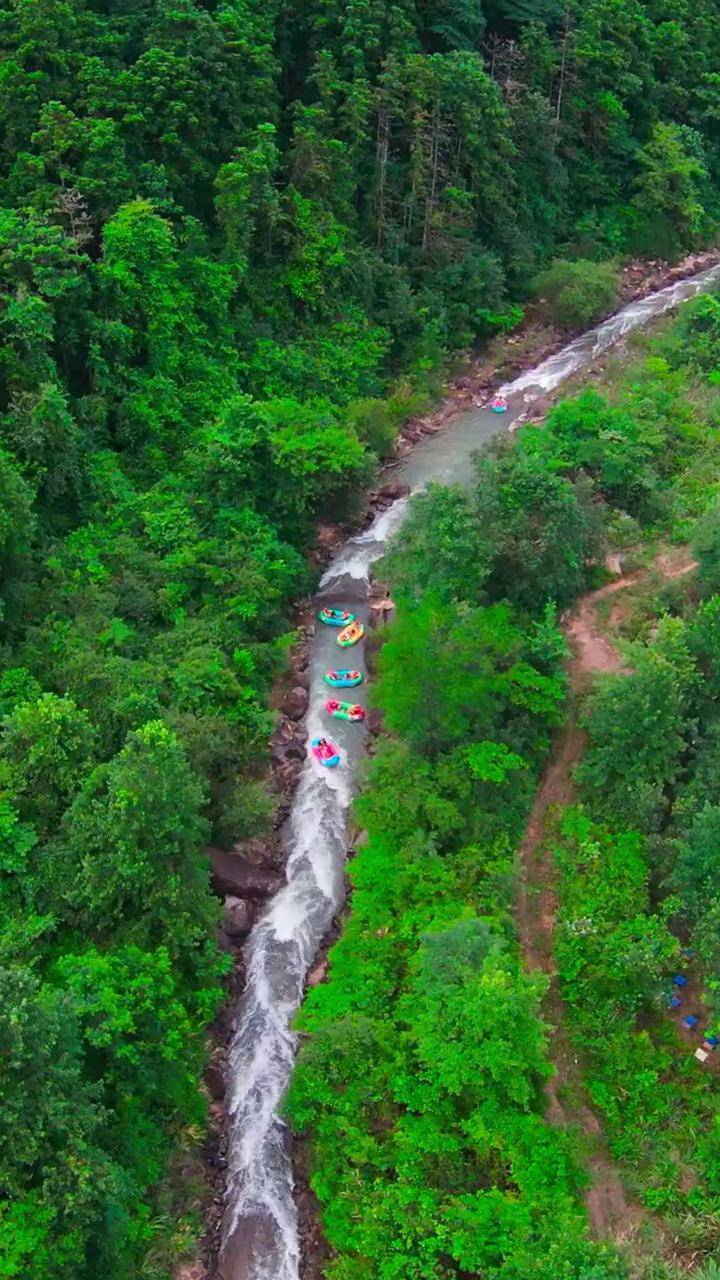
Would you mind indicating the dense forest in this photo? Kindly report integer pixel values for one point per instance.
(420, 1088)
(238, 242)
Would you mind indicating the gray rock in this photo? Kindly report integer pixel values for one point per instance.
(317, 975)
(295, 703)
(234, 875)
(255, 1236)
(239, 917)
(192, 1271)
(293, 749)
(215, 1081)
(391, 492)
(225, 942)
(344, 590)
(374, 721)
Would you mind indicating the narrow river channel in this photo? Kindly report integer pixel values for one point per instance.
(260, 1233)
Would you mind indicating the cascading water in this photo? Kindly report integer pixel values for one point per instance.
(592, 344)
(260, 1236)
(260, 1227)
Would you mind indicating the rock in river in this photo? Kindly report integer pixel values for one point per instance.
(238, 918)
(234, 875)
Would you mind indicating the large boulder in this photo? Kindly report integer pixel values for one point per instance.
(259, 850)
(412, 434)
(328, 537)
(292, 749)
(233, 875)
(192, 1271)
(391, 492)
(247, 1244)
(318, 974)
(381, 608)
(226, 944)
(238, 918)
(374, 721)
(344, 589)
(295, 703)
(286, 775)
(215, 1081)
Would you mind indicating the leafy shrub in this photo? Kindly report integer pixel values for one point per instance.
(706, 546)
(697, 335)
(375, 424)
(622, 452)
(639, 727)
(528, 512)
(576, 293)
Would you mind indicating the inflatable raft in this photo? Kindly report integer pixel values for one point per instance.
(326, 753)
(343, 679)
(336, 617)
(351, 711)
(351, 635)
(499, 405)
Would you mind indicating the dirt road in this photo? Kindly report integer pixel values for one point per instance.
(612, 1212)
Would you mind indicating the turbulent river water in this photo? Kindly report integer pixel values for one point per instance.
(260, 1232)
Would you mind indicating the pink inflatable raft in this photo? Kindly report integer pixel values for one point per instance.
(326, 753)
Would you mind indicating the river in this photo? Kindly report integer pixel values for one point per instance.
(260, 1231)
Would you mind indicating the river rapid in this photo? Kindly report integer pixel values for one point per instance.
(260, 1228)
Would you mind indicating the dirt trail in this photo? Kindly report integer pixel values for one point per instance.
(612, 1213)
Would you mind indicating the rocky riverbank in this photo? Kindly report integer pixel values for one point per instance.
(246, 875)
(512, 354)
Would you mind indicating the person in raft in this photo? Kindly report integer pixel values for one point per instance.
(499, 404)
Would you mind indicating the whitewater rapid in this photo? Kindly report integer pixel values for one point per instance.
(260, 1229)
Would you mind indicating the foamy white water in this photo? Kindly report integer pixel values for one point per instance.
(260, 1232)
(349, 572)
(553, 371)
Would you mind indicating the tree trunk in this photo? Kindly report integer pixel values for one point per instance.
(434, 150)
(383, 148)
(563, 65)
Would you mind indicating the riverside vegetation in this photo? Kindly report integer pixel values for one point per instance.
(420, 1086)
(237, 239)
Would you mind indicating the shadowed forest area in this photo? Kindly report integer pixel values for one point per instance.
(238, 244)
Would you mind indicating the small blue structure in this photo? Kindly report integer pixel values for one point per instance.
(711, 1041)
(679, 980)
(690, 1021)
(675, 1002)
